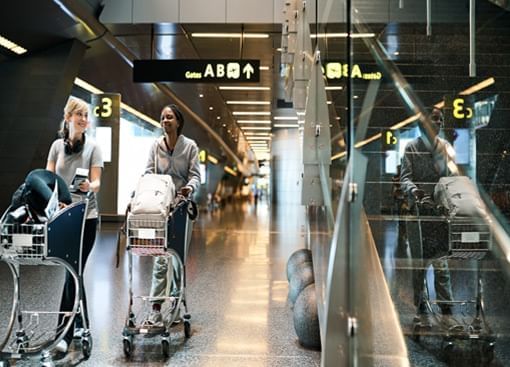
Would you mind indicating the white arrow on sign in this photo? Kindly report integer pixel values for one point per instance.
(248, 70)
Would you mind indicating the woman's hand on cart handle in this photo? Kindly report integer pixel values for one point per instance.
(186, 190)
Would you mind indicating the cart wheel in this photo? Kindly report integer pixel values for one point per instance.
(127, 346)
(165, 347)
(187, 329)
(86, 347)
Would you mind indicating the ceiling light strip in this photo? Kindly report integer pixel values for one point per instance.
(255, 113)
(229, 87)
(212, 159)
(286, 125)
(230, 170)
(287, 118)
(249, 102)
(254, 121)
(230, 35)
(342, 35)
(255, 128)
(14, 47)
(475, 88)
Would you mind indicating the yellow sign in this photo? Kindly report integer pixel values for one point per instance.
(337, 70)
(460, 111)
(202, 156)
(389, 140)
(105, 109)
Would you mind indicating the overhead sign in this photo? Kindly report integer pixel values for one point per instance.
(196, 71)
(338, 70)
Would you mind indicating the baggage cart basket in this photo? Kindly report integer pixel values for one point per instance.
(56, 242)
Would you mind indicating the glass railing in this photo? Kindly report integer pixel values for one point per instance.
(410, 234)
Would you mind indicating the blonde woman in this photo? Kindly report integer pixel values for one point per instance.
(67, 154)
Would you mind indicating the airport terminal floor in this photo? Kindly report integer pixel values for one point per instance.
(236, 291)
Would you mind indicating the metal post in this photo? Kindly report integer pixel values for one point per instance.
(472, 30)
(429, 18)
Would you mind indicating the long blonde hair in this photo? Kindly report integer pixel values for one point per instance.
(73, 105)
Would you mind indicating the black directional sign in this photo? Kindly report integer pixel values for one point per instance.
(196, 71)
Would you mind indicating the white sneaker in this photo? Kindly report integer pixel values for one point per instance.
(154, 319)
(62, 346)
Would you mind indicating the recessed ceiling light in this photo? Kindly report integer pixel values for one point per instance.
(211, 108)
(218, 117)
(201, 95)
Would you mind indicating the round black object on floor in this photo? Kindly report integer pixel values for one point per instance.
(306, 318)
(298, 257)
(300, 279)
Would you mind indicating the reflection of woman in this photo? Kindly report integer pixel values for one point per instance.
(66, 155)
(175, 155)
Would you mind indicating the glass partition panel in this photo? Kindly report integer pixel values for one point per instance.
(426, 88)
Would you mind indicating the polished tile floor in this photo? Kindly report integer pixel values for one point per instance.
(237, 294)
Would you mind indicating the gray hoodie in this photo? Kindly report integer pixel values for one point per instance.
(181, 164)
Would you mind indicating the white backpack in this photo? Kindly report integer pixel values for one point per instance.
(154, 195)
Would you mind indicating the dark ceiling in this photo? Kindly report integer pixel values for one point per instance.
(38, 25)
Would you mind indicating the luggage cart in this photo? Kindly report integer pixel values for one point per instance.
(469, 239)
(56, 242)
(152, 235)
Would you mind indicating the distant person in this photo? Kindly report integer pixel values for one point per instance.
(175, 155)
(72, 151)
(421, 170)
